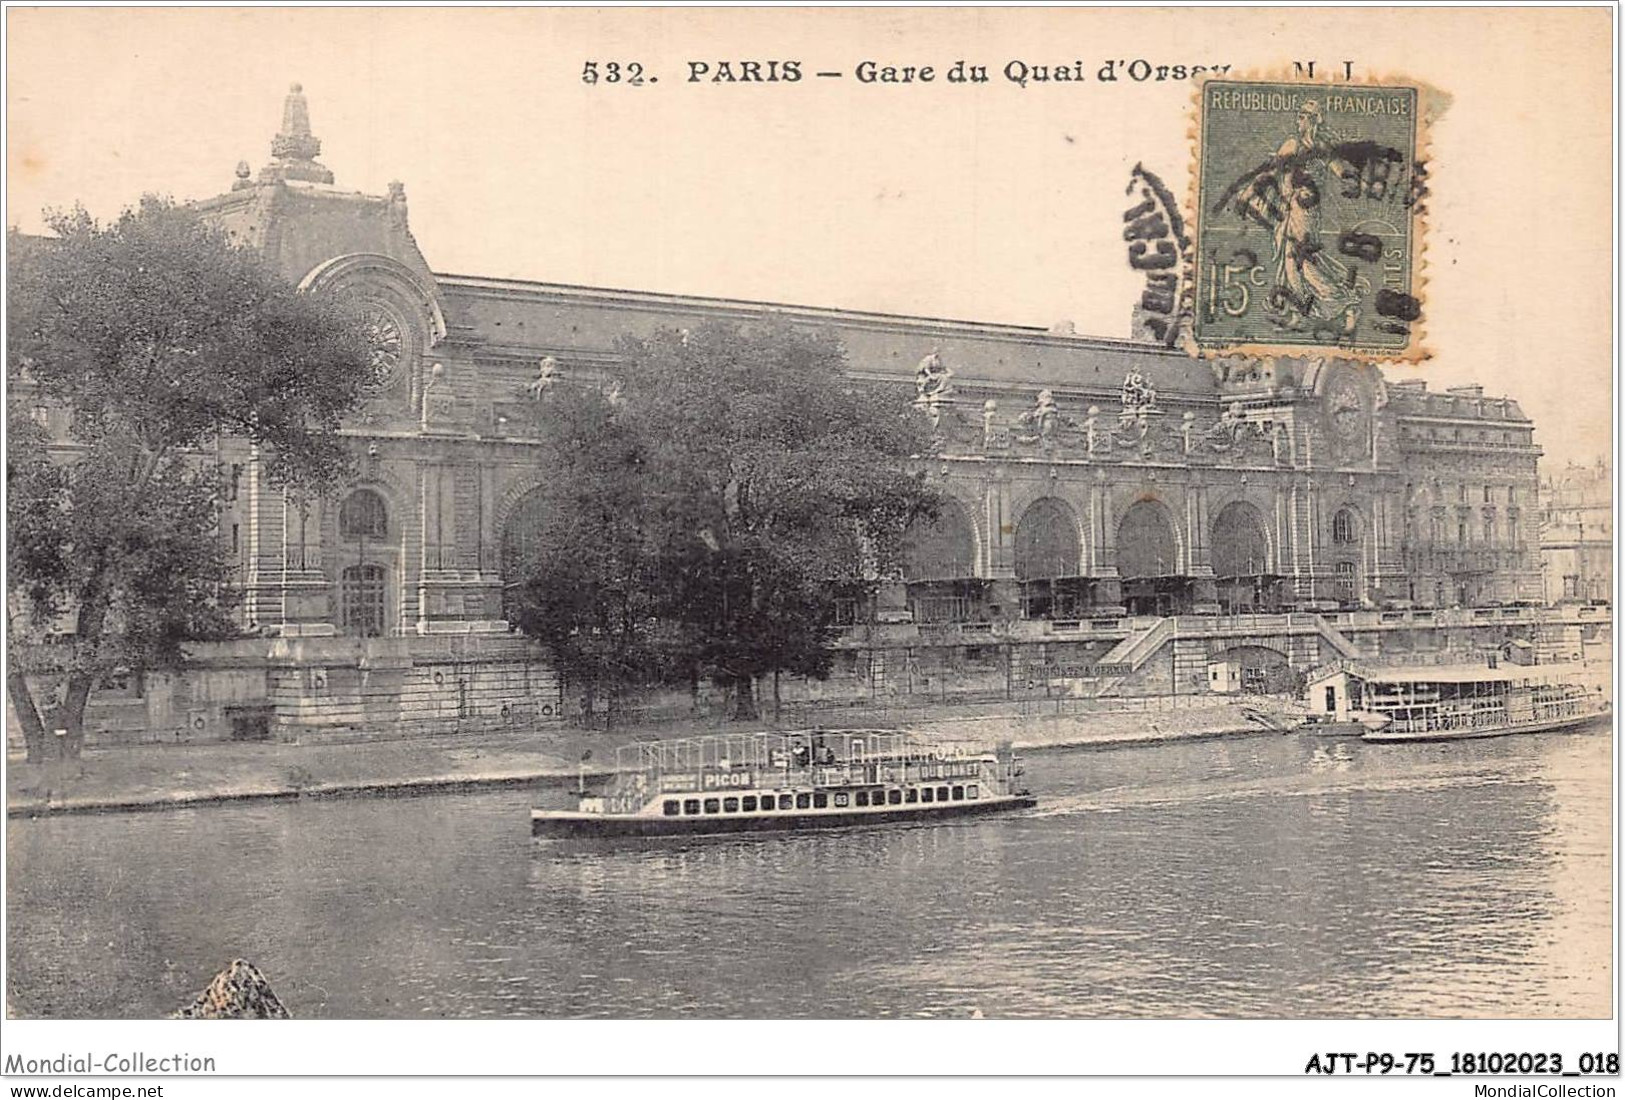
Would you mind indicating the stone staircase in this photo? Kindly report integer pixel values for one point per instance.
(1336, 638)
(1133, 652)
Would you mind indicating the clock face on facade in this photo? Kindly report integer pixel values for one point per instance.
(384, 337)
(1346, 414)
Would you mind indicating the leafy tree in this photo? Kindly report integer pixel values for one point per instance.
(587, 554)
(756, 483)
(154, 337)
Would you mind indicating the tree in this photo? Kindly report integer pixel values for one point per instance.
(151, 338)
(754, 483)
(586, 557)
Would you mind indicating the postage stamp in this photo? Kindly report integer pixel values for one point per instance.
(1307, 220)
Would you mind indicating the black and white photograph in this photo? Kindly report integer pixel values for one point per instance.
(813, 516)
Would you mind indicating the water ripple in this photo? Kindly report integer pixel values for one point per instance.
(1257, 878)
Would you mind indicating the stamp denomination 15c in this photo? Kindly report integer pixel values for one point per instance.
(1307, 218)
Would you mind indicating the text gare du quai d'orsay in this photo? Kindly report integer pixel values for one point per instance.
(1018, 71)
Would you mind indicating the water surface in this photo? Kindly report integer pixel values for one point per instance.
(1257, 877)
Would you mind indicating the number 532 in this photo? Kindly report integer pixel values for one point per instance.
(613, 72)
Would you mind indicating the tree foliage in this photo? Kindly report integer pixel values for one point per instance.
(587, 587)
(733, 483)
(146, 341)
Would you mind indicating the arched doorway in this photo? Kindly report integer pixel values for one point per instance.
(939, 566)
(1253, 670)
(1049, 561)
(1243, 568)
(1148, 561)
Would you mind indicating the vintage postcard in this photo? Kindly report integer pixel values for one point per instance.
(1097, 521)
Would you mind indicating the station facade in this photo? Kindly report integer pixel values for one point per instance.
(1084, 475)
(1088, 480)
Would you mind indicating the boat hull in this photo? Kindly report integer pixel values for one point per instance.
(564, 824)
(1333, 729)
(1392, 736)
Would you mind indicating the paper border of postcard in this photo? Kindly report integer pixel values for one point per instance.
(1307, 206)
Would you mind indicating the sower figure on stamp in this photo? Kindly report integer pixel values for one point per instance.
(1312, 286)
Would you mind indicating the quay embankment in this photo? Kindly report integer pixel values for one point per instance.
(129, 778)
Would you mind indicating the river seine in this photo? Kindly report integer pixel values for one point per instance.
(1270, 876)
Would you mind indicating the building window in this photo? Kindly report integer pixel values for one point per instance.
(1343, 526)
(1514, 535)
(1486, 494)
(363, 516)
(363, 599)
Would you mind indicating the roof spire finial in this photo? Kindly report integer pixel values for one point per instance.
(295, 147)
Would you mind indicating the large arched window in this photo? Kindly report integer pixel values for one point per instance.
(1047, 542)
(940, 549)
(1146, 545)
(1240, 542)
(363, 516)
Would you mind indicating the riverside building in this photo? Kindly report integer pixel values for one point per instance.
(1122, 517)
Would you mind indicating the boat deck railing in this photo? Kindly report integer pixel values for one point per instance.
(815, 755)
(1524, 709)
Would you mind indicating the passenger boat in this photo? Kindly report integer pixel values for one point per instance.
(814, 779)
(1458, 702)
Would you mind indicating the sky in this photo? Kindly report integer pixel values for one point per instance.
(991, 202)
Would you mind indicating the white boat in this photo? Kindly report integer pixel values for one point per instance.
(1457, 702)
(812, 779)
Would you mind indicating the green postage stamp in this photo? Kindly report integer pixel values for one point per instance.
(1307, 220)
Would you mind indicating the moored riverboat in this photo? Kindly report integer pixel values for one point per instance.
(813, 779)
(1458, 702)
